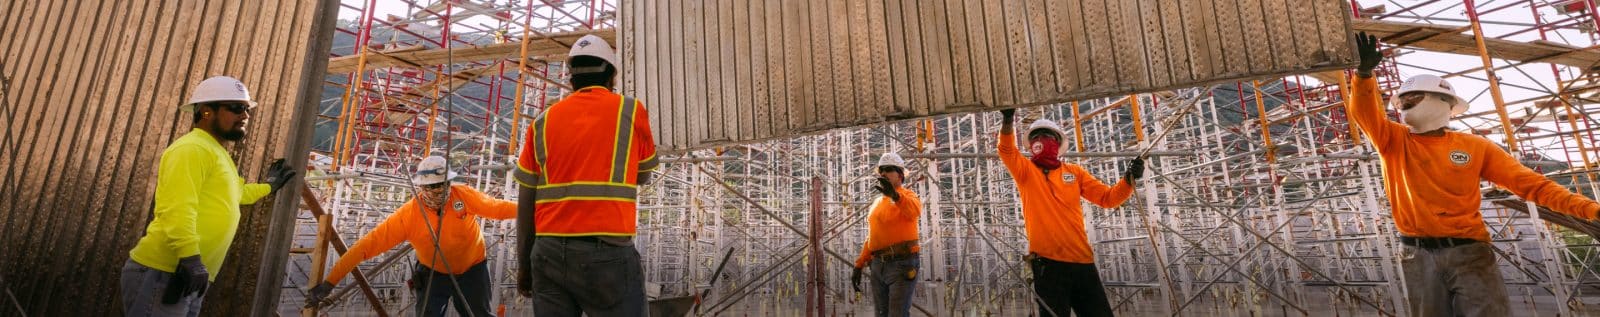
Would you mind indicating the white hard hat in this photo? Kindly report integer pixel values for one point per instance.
(1430, 83)
(432, 170)
(591, 45)
(891, 159)
(1046, 124)
(219, 88)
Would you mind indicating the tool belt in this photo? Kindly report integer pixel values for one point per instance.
(897, 251)
(1436, 243)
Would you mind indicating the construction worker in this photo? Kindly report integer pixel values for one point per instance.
(891, 244)
(1064, 274)
(579, 171)
(1448, 262)
(441, 223)
(198, 193)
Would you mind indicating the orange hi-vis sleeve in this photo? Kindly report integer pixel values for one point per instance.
(1052, 214)
(1428, 178)
(890, 223)
(461, 242)
(585, 157)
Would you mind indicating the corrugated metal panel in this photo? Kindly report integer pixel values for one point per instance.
(90, 102)
(718, 71)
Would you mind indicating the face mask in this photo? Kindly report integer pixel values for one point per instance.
(1429, 114)
(1045, 151)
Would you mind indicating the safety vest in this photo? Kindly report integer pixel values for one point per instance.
(585, 158)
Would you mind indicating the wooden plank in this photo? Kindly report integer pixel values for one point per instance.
(916, 66)
(133, 85)
(19, 65)
(843, 76)
(1198, 40)
(794, 72)
(861, 65)
(936, 32)
(1337, 40)
(69, 51)
(899, 65)
(775, 64)
(650, 53)
(46, 63)
(1046, 81)
(1023, 82)
(1254, 28)
(1276, 15)
(1071, 45)
(1235, 56)
(999, 54)
(1101, 47)
(978, 42)
(1307, 38)
(680, 126)
(1148, 17)
(741, 34)
(1132, 63)
(883, 93)
(711, 59)
(960, 53)
(759, 79)
(1179, 65)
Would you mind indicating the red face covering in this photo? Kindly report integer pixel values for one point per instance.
(1045, 149)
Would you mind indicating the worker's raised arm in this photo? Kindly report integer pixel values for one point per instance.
(909, 206)
(1097, 192)
(1010, 155)
(1365, 106)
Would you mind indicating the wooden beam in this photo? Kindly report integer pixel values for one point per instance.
(338, 245)
(1446, 39)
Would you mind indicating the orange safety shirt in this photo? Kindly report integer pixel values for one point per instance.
(1432, 181)
(460, 236)
(1051, 212)
(585, 158)
(891, 223)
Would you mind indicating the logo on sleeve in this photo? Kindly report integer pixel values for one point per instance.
(1459, 157)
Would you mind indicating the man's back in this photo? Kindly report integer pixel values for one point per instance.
(586, 156)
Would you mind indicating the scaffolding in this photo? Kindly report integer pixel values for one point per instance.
(1260, 197)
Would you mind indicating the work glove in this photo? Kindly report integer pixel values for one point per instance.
(1135, 170)
(318, 294)
(525, 279)
(1007, 114)
(279, 174)
(1367, 47)
(886, 188)
(855, 279)
(190, 278)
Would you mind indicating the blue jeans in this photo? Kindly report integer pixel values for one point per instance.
(142, 288)
(586, 276)
(893, 286)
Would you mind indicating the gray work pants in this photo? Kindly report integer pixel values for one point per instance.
(1461, 280)
(586, 276)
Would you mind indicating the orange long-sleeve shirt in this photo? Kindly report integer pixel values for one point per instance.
(1051, 212)
(890, 223)
(460, 237)
(1432, 181)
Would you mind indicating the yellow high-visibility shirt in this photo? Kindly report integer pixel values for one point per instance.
(198, 193)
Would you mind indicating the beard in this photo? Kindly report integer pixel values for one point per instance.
(229, 133)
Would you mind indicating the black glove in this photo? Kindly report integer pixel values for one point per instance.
(279, 174)
(1007, 114)
(1135, 170)
(1367, 47)
(525, 279)
(189, 278)
(855, 279)
(887, 189)
(318, 294)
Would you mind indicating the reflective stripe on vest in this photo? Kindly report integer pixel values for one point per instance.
(615, 188)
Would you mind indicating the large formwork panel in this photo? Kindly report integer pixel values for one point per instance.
(716, 72)
(89, 96)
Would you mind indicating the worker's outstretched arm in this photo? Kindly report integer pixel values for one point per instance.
(482, 205)
(1365, 106)
(525, 232)
(1504, 170)
(909, 206)
(388, 234)
(1097, 192)
(1010, 155)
